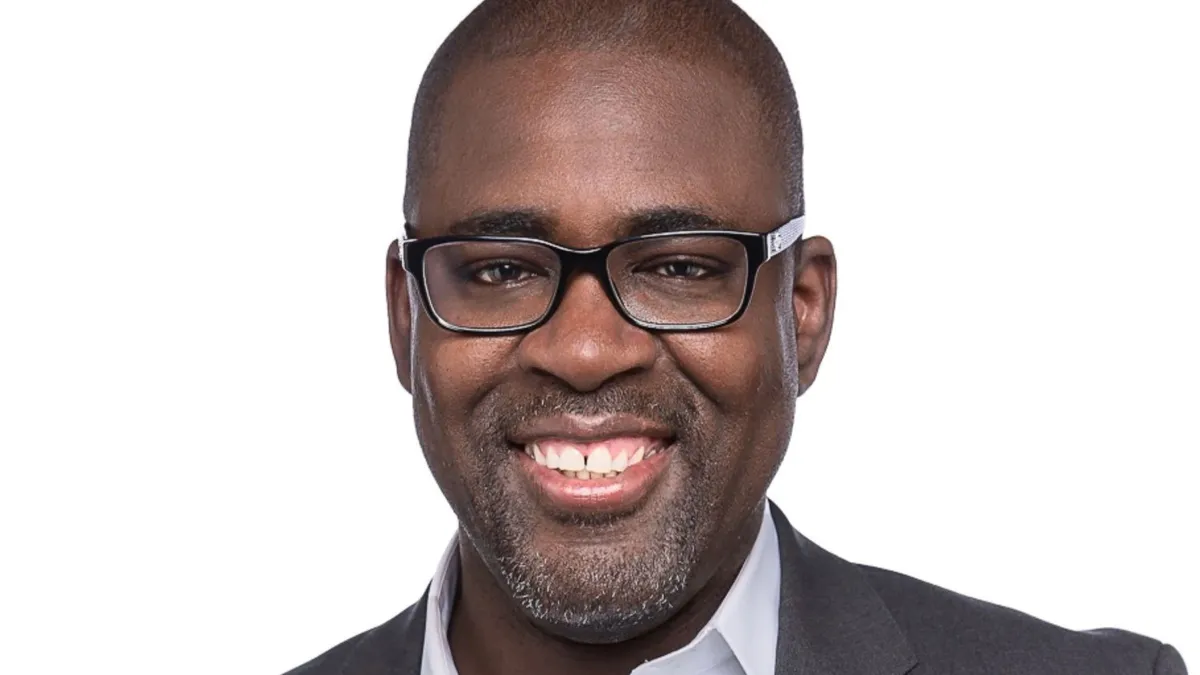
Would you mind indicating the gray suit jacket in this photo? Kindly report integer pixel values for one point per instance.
(838, 618)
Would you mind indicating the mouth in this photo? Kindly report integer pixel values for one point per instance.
(613, 468)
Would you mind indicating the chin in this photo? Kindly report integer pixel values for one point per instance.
(595, 583)
(602, 596)
(609, 625)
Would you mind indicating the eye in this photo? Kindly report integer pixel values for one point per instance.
(501, 272)
(684, 269)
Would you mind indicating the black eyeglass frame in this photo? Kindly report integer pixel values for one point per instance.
(760, 247)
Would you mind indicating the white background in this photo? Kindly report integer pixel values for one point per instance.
(208, 465)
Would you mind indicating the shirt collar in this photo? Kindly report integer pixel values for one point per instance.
(746, 622)
(748, 617)
(436, 658)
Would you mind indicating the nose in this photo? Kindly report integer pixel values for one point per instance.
(587, 343)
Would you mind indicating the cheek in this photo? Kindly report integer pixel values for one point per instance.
(451, 374)
(454, 372)
(742, 368)
(727, 366)
(743, 371)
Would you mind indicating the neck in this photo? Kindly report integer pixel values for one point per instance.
(489, 634)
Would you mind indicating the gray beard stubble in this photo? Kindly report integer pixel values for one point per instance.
(599, 595)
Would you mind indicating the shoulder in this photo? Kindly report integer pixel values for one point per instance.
(330, 662)
(955, 633)
(393, 647)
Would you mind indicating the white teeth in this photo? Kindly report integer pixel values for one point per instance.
(620, 462)
(637, 456)
(599, 461)
(571, 460)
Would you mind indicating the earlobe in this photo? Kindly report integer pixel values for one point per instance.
(399, 316)
(814, 292)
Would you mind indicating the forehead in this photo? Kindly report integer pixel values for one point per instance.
(589, 139)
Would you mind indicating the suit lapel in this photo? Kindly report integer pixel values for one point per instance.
(831, 621)
(395, 648)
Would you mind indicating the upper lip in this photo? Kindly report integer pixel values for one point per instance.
(588, 429)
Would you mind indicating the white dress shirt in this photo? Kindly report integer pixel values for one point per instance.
(739, 639)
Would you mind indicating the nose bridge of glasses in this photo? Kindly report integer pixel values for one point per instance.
(590, 261)
(581, 265)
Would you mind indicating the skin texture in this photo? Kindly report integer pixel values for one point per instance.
(589, 141)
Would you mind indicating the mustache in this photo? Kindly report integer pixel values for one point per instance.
(671, 406)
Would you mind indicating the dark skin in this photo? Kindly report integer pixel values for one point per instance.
(590, 142)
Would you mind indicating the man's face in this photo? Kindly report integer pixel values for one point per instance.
(590, 142)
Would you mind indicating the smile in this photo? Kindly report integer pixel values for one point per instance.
(593, 465)
(608, 476)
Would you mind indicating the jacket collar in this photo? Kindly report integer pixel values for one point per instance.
(831, 621)
(391, 649)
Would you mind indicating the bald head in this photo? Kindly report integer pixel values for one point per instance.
(713, 34)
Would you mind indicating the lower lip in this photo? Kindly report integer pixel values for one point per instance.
(597, 495)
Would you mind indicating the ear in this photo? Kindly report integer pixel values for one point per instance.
(814, 292)
(399, 316)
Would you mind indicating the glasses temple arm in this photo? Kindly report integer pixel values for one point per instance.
(784, 236)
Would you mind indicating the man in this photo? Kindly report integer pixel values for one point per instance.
(605, 312)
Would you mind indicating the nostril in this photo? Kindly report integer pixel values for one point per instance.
(585, 361)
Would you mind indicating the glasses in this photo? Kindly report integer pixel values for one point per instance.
(671, 281)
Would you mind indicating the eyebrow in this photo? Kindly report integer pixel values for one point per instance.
(537, 225)
(671, 219)
(504, 223)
